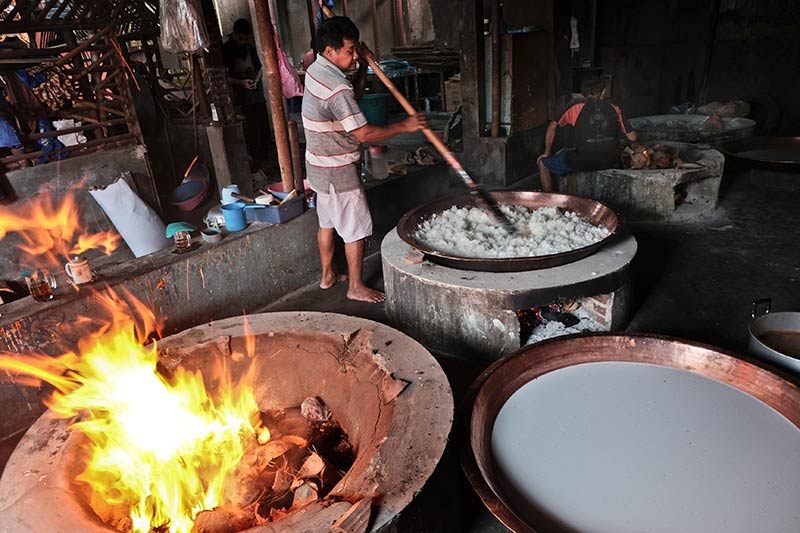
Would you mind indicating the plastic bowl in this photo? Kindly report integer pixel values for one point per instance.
(276, 189)
(189, 194)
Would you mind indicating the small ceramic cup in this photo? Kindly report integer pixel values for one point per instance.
(78, 270)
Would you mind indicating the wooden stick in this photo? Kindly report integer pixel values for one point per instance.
(243, 198)
(191, 166)
(288, 196)
(446, 153)
(83, 46)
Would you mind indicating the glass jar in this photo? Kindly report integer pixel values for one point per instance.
(379, 161)
(183, 242)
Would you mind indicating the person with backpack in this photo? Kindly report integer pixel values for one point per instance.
(594, 127)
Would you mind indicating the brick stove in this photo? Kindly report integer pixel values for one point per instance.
(655, 194)
(472, 314)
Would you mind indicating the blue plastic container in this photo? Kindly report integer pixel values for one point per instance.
(376, 108)
(234, 216)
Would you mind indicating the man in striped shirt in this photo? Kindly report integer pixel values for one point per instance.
(334, 128)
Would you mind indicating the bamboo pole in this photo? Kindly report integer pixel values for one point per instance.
(485, 198)
(267, 37)
(297, 158)
(375, 31)
(312, 18)
(400, 23)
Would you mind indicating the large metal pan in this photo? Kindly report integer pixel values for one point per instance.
(492, 389)
(779, 153)
(588, 209)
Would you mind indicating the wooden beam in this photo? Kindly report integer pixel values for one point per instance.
(76, 129)
(83, 46)
(264, 22)
(376, 36)
(119, 139)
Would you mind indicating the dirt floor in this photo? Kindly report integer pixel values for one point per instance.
(694, 280)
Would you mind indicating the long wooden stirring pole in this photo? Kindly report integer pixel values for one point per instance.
(485, 197)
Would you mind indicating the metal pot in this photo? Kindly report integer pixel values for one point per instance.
(764, 323)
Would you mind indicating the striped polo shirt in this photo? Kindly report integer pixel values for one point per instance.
(330, 113)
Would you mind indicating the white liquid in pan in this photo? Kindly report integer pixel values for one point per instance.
(626, 447)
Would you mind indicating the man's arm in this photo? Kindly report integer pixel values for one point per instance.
(369, 133)
(549, 137)
(625, 126)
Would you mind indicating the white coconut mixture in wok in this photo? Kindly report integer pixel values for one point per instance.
(473, 232)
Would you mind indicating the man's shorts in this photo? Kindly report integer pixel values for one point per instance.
(557, 164)
(347, 212)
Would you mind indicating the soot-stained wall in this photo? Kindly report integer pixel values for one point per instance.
(662, 53)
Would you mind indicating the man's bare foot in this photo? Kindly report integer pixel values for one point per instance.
(366, 294)
(329, 282)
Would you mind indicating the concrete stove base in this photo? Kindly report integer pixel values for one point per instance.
(471, 314)
(650, 194)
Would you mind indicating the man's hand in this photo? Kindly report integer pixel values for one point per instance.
(249, 84)
(546, 154)
(415, 122)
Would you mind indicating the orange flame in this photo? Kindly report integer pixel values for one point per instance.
(53, 232)
(160, 447)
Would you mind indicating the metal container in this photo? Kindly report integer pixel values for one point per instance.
(764, 323)
(495, 386)
(778, 153)
(689, 128)
(588, 209)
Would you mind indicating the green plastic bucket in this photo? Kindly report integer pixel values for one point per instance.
(376, 108)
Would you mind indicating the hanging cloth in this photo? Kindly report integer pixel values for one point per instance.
(291, 85)
(574, 41)
(182, 26)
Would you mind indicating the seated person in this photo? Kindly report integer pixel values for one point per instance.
(597, 127)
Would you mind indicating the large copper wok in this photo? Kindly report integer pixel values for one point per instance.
(495, 385)
(588, 209)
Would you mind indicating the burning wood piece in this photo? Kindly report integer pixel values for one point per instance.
(289, 472)
(283, 481)
(312, 467)
(639, 157)
(223, 521)
(304, 494)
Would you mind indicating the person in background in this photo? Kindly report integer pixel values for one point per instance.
(597, 129)
(244, 71)
(335, 127)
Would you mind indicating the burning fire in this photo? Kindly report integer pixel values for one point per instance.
(160, 447)
(53, 232)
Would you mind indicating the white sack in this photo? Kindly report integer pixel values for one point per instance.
(139, 226)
